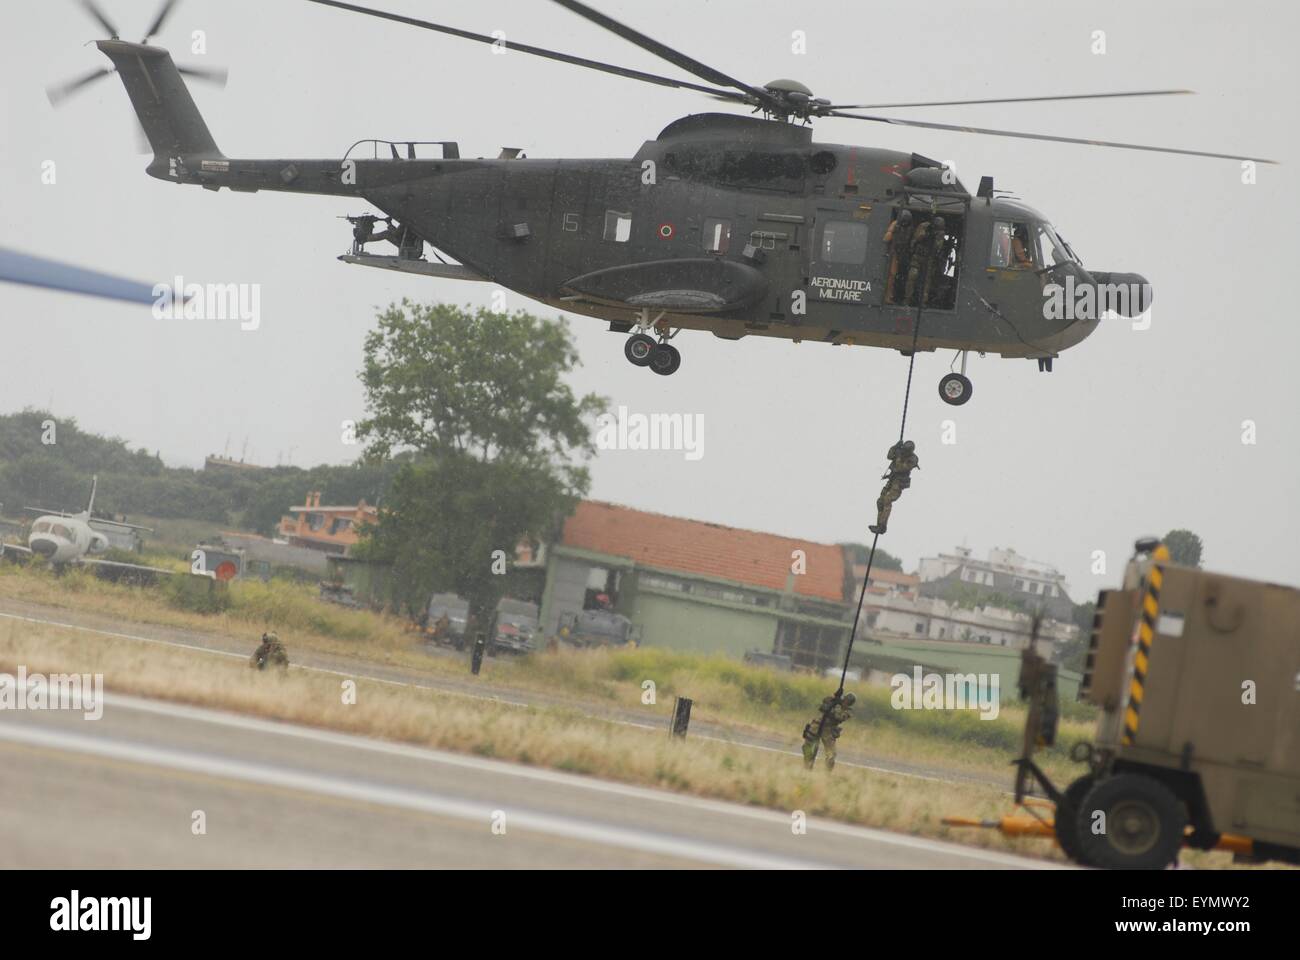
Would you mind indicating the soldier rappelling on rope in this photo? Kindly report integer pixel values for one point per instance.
(826, 728)
(902, 461)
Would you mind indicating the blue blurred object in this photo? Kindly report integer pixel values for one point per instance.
(18, 267)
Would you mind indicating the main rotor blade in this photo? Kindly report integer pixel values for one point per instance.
(163, 12)
(57, 94)
(1040, 136)
(94, 11)
(959, 103)
(216, 75)
(535, 51)
(689, 64)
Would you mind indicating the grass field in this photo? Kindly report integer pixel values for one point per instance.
(556, 738)
(571, 738)
(726, 692)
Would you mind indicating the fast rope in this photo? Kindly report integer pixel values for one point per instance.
(866, 577)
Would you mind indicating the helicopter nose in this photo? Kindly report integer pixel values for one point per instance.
(45, 547)
(1128, 294)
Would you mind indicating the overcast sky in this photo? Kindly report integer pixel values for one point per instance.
(1134, 433)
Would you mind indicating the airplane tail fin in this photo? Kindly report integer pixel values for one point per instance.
(90, 507)
(167, 112)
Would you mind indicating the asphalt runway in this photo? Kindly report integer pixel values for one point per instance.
(126, 791)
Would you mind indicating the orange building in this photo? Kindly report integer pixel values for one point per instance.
(333, 529)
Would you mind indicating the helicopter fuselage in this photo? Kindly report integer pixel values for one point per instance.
(735, 225)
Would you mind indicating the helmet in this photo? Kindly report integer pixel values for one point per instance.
(937, 222)
(850, 700)
(905, 216)
(909, 446)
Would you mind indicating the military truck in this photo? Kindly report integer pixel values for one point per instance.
(516, 626)
(1197, 676)
(598, 628)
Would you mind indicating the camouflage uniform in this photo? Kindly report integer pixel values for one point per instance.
(929, 243)
(826, 728)
(271, 651)
(898, 240)
(902, 461)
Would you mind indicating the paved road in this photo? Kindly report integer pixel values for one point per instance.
(123, 791)
(477, 687)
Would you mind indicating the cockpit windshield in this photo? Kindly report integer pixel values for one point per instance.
(1052, 250)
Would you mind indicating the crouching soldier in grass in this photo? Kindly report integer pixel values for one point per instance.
(826, 728)
(271, 651)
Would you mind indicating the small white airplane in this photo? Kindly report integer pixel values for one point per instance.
(63, 538)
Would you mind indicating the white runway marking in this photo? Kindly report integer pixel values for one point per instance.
(421, 801)
(776, 819)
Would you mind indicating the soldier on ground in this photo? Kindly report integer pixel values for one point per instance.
(271, 651)
(442, 628)
(826, 728)
(902, 461)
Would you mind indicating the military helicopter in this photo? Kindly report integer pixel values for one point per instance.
(737, 225)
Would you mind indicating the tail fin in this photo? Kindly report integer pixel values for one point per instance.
(171, 121)
(90, 507)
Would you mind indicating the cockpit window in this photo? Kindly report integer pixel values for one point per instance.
(1052, 250)
(1011, 246)
(41, 526)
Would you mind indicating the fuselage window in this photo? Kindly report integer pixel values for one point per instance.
(844, 241)
(716, 235)
(618, 226)
(1011, 246)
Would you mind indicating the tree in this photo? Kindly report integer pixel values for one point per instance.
(496, 434)
(1184, 547)
(1074, 653)
(859, 552)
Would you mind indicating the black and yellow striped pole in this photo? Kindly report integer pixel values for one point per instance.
(1146, 633)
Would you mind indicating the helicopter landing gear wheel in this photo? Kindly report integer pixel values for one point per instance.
(665, 359)
(639, 349)
(955, 389)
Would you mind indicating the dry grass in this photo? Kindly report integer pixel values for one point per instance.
(556, 738)
(732, 695)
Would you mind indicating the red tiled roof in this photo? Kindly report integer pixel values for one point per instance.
(885, 576)
(707, 549)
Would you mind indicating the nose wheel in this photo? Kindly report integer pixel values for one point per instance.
(955, 389)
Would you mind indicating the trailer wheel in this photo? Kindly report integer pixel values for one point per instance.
(1144, 824)
(1067, 816)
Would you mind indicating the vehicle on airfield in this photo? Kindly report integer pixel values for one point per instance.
(62, 538)
(735, 225)
(455, 611)
(597, 628)
(1197, 676)
(517, 626)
